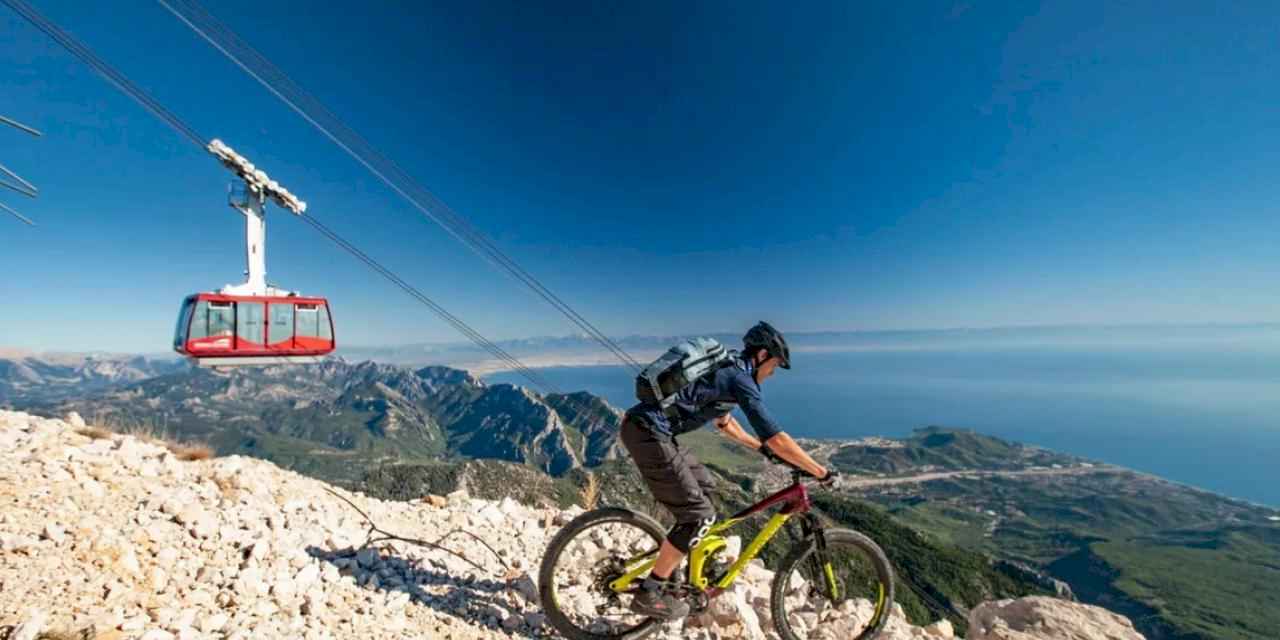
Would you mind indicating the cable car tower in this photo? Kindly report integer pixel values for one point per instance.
(253, 323)
(249, 196)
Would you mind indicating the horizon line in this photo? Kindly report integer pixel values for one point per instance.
(9, 351)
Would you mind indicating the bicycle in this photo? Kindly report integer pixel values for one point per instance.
(834, 584)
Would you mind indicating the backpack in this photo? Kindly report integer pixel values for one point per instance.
(679, 367)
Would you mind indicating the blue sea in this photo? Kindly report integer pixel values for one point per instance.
(1207, 416)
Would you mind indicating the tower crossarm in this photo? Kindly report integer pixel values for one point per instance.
(256, 179)
(259, 187)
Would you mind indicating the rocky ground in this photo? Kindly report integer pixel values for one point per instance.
(104, 536)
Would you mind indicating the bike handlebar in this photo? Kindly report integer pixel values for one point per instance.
(797, 474)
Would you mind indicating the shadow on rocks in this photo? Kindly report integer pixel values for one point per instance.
(500, 605)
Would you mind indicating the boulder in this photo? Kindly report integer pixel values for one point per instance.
(1044, 618)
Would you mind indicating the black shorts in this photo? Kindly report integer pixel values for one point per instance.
(674, 476)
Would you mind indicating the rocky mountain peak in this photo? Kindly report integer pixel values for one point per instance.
(436, 376)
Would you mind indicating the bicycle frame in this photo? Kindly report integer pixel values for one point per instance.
(794, 500)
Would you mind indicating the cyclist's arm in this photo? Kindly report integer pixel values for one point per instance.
(729, 426)
(747, 393)
(785, 447)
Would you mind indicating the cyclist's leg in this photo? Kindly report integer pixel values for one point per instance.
(676, 479)
(705, 481)
(703, 514)
(674, 483)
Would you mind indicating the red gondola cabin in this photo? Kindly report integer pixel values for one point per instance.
(228, 330)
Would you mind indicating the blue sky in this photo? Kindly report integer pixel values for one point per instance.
(666, 168)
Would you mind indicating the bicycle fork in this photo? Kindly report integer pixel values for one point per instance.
(820, 561)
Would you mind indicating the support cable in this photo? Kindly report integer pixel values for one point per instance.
(18, 125)
(454, 321)
(15, 214)
(30, 187)
(18, 188)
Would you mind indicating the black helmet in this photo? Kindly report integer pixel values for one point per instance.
(763, 335)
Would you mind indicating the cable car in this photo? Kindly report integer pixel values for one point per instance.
(253, 323)
(223, 330)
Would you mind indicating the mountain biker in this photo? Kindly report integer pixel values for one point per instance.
(676, 478)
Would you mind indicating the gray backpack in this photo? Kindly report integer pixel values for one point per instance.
(679, 367)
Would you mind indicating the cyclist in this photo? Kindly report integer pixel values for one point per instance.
(675, 477)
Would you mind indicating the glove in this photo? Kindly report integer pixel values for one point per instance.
(829, 480)
(770, 455)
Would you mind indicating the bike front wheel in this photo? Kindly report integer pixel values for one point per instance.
(838, 585)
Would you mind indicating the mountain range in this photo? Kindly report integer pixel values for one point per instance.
(25, 377)
(327, 417)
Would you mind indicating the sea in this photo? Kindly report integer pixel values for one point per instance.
(1207, 416)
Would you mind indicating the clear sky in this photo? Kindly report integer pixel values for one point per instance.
(666, 168)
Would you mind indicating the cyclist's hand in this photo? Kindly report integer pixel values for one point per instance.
(770, 455)
(829, 480)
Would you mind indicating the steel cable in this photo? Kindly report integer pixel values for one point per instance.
(15, 214)
(18, 188)
(19, 126)
(29, 187)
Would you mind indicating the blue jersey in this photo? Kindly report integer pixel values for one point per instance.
(710, 397)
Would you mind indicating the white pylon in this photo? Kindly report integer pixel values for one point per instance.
(257, 188)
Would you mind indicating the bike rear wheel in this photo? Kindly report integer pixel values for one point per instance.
(838, 585)
(582, 559)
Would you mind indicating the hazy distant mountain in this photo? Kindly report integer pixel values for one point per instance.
(48, 378)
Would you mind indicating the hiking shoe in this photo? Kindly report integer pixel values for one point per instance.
(660, 599)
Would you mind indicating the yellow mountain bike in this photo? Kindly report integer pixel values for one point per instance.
(834, 584)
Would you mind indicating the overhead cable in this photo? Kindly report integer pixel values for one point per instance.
(15, 214)
(23, 187)
(30, 187)
(454, 321)
(313, 111)
(18, 125)
(19, 188)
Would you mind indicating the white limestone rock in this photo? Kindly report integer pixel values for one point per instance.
(1044, 618)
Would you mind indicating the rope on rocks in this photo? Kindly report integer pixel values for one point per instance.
(386, 536)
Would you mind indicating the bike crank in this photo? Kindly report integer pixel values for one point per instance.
(698, 600)
(608, 572)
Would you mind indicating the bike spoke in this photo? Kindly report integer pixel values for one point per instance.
(594, 558)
